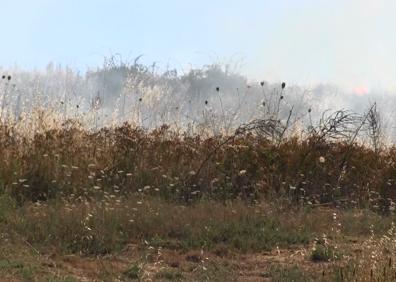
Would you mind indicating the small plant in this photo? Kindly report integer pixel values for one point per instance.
(323, 254)
(169, 274)
(27, 273)
(287, 273)
(133, 272)
(62, 279)
(323, 251)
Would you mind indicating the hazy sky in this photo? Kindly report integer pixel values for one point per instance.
(348, 42)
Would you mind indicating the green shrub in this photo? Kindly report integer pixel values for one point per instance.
(133, 272)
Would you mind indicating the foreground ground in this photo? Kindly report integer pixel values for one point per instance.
(134, 264)
(204, 242)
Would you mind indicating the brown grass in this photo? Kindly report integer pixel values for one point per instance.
(88, 194)
(71, 162)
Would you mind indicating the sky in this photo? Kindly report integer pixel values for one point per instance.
(350, 43)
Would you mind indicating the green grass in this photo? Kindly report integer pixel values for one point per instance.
(133, 272)
(169, 274)
(62, 279)
(7, 264)
(323, 253)
(246, 234)
(282, 273)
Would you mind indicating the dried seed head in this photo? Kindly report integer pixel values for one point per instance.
(242, 172)
(206, 102)
(217, 88)
(283, 85)
(262, 83)
(9, 77)
(309, 110)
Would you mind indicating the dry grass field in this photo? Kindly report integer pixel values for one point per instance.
(128, 204)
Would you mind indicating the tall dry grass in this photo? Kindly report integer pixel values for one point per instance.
(73, 162)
